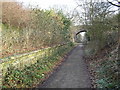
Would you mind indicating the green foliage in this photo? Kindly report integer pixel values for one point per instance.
(102, 25)
(102, 29)
(108, 76)
(105, 66)
(31, 75)
(43, 29)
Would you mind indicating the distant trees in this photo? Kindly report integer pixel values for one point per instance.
(101, 22)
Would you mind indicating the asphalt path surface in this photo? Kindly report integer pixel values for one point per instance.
(73, 72)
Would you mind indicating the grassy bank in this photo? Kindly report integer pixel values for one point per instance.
(103, 66)
(31, 75)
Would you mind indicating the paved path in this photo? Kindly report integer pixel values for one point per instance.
(72, 74)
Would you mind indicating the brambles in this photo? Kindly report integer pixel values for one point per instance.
(13, 14)
(103, 30)
(28, 29)
(31, 75)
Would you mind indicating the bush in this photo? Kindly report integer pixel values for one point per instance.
(26, 29)
(31, 75)
(13, 14)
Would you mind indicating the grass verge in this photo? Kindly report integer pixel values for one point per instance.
(30, 76)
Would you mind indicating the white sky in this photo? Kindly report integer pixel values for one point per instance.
(69, 5)
(46, 4)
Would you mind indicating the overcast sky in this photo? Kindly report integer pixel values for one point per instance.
(46, 4)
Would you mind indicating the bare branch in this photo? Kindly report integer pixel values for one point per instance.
(118, 5)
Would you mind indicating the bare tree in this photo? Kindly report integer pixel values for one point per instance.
(114, 2)
(117, 4)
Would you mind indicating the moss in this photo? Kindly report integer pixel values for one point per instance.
(35, 69)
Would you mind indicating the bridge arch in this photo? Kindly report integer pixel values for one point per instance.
(77, 33)
(80, 31)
